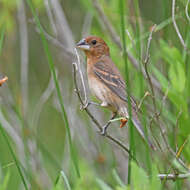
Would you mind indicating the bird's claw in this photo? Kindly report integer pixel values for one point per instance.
(103, 131)
(83, 107)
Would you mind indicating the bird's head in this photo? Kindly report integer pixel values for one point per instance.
(93, 46)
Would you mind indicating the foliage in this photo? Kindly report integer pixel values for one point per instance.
(49, 141)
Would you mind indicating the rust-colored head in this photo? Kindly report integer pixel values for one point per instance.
(93, 46)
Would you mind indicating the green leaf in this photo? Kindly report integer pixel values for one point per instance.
(117, 178)
(177, 76)
(139, 177)
(103, 185)
(4, 183)
(155, 182)
(65, 180)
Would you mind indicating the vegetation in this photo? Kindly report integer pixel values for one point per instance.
(47, 141)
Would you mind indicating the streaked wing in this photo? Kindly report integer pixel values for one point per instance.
(111, 77)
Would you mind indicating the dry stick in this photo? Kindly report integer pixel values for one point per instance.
(150, 82)
(116, 40)
(149, 79)
(186, 10)
(176, 27)
(146, 62)
(154, 102)
(142, 100)
(82, 79)
(173, 176)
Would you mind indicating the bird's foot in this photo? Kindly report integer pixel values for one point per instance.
(83, 107)
(123, 122)
(103, 131)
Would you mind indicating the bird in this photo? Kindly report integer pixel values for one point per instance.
(107, 84)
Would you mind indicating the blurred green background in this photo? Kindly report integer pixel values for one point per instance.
(46, 140)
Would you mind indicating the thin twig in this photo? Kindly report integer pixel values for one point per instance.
(81, 77)
(156, 115)
(186, 11)
(173, 176)
(142, 100)
(146, 63)
(176, 27)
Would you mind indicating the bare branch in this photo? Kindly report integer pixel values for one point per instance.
(142, 100)
(173, 176)
(81, 77)
(176, 27)
(146, 68)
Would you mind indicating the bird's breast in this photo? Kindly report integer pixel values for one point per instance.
(97, 88)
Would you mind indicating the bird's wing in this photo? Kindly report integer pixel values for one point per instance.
(110, 76)
(107, 72)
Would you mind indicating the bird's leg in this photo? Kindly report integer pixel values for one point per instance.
(104, 128)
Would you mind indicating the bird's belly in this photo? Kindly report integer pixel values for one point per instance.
(98, 89)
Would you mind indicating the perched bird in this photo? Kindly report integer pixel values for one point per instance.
(106, 82)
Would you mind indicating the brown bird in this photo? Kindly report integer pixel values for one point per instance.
(106, 82)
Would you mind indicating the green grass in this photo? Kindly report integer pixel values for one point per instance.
(86, 160)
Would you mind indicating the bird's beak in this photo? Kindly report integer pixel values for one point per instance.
(83, 45)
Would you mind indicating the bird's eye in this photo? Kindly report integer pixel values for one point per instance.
(94, 42)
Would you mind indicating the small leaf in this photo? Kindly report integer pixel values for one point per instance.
(177, 76)
(139, 177)
(103, 185)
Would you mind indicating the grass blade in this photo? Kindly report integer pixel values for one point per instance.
(65, 180)
(14, 156)
(131, 138)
